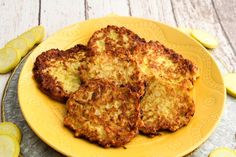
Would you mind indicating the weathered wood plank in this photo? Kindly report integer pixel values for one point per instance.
(201, 14)
(226, 14)
(58, 14)
(160, 10)
(16, 17)
(95, 8)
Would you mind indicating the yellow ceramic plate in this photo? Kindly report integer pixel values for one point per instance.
(45, 116)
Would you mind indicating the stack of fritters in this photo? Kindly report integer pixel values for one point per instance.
(167, 104)
(127, 84)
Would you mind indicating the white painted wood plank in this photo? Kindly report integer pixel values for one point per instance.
(159, 10)
(226, 12)
(101, 8)
(16, 17)
(57, 14)
(201, 14)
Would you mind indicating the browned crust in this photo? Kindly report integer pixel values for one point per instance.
(135, 81)
(119, 125)
(181, 111)
(110, 44)
(118, 48)
(185, 68)
(46, 82)
(106, 90)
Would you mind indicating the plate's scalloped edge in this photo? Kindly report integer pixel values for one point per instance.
(3, 118)
(186, 47)
(213, 84)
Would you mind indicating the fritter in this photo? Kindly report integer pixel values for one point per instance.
(113, 38)
(154, 59)
(165, 106)
(119, 68)
(111, 58)
(56, 71)
(103, 113)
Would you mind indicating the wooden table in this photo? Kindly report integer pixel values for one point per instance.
(215, 16)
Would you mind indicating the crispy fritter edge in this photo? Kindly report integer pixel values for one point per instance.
(121, 30)
(105, 143)
(123, 55)
(46, 83)
(186, 66)
(170, 53)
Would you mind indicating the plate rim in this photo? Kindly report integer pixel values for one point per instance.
(188, 150)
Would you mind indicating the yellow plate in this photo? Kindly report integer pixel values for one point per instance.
(45, 116)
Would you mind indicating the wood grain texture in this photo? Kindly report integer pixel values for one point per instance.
(95, 8)
(226, 14)
(57, 14)
(15, 18)
(201, 15)
(160, 10)
(216, 16)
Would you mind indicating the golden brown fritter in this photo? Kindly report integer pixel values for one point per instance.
(103, 113)
(113, 38)
(154, 59)
(167, 104)
(56, 71)
(110, 58)
(119, 68)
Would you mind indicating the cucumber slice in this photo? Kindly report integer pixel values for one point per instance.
(9, 58)
(223, 152)
(230, 83)
(20, 45)
(30, 38)
(8, 128)
(205, 38)
(9, 147)
(38, 32)
(34, 35)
